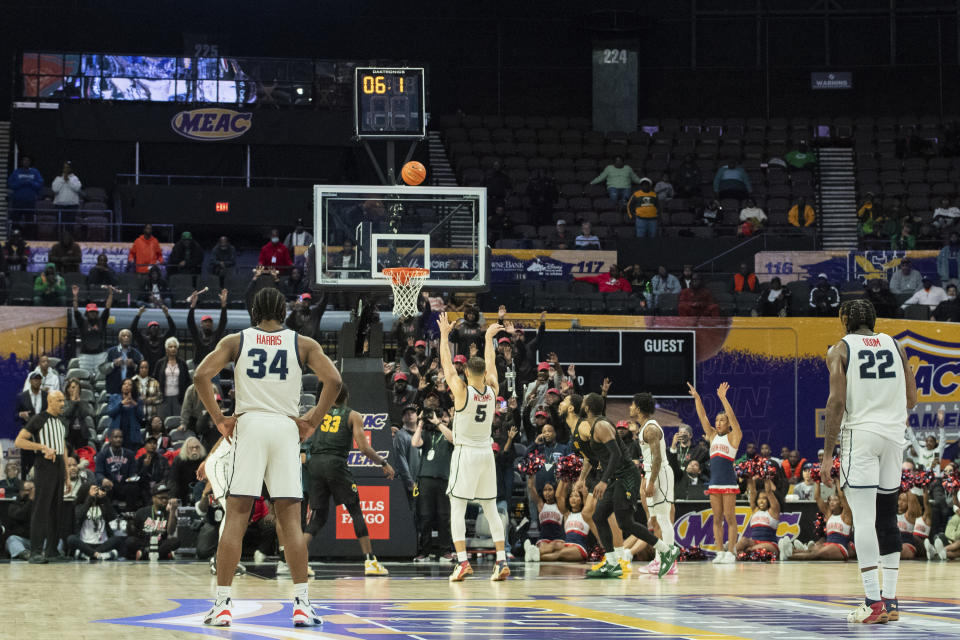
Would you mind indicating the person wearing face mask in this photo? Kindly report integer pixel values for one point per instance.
(928, 294)
(145, 251)
(949, 309)
(275, 254)
(948, 260)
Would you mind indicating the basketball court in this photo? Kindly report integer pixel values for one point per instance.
(743, 601)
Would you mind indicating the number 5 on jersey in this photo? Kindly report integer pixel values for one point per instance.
(259, 369)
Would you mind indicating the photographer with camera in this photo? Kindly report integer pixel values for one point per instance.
(435, 441)
(683, 449)
(96, 540)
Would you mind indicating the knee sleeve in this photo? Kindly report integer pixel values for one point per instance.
(662, 513)
(888, 534)
(493, 519)
(359, 523)
(458, 519)
(319, 518)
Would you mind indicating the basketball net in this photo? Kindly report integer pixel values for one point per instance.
(406, 283)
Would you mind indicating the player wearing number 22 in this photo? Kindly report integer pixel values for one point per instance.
(871, 389)
(330, 477)
(473, 470)
(266, 432)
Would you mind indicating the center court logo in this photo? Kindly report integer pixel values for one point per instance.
(212, 123)
(375, 503)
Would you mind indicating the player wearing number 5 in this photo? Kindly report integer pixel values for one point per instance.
(473, 469)
(871, 389)
(266, 433)
(330, 477)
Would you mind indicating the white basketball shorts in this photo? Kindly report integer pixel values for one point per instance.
(663, 492)
(870, 461)
(473, 474)
(266, 450)
(219, 468)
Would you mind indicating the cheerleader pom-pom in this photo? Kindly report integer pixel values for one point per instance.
(815, 472)
(951, 482)
(922, 479)
(693, 554)
(819, 527)
(757, 555)
(835, 469)
(530, 464)
(906, 481)
(569, 467)
(746, 469)
(768, 469)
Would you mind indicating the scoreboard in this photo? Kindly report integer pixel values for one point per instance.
(389, 102)
(659, 362)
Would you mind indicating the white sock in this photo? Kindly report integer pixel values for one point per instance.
(223, 593)
(611, 557)
(461, 556)
(871, 584)
(301, 591)
(890, 564)
(627, 555)
(501, 555)
(661, 546)
(618, 551)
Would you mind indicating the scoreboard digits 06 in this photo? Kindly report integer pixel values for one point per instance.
(389, 102)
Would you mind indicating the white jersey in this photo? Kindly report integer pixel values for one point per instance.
(473, 424)
(876, 386)
(268, 372)
(664, 480)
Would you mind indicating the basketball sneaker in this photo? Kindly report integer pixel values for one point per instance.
(930, 549)
(653, 567)
(893, 609)
(259, 557)
(667, 560)
(607, 570)
(219, 615)
(372, 567)
(599, 565)
(868, 613)
(941, 550)
(786, 549)
(500, 571)
(461, 571)
(283, 569)
(625, 566)
(530, 552)
(720, 558)
(304, 614)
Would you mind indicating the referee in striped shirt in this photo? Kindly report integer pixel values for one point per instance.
(47, 433)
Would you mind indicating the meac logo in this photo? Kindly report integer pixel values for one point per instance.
(696, 528)
(936, 365)
(375, 421)
(212, 123)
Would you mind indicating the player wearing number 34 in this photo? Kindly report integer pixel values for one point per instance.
(266, 433)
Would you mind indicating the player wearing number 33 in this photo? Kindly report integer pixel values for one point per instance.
(871, 389)
(266, 433)
(473, 471)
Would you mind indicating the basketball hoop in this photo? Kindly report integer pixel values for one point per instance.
(406, 283)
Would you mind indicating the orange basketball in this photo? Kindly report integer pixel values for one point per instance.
(413, 173)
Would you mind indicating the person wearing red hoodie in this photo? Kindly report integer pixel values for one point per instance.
(145, 251)
(275, 254)
(610, 281)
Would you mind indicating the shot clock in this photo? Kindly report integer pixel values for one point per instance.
(389, 102)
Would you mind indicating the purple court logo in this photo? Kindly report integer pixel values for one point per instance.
(696, 528)
(212, 123)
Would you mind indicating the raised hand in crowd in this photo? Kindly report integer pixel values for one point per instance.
(605, 386)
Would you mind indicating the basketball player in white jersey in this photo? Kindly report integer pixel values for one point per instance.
(871, 389)
(659, 475)
(473, 470)
(266, 433)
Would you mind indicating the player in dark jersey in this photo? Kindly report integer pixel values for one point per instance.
(330, 477)
(595, 438)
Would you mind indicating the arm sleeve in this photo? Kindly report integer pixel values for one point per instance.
(192, 324)
(613, 462)
(221, 326)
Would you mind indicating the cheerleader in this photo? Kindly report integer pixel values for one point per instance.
(724, 437)
(908, 512)
(921, 529)
(573, 546)
(761, 531)
(550, 517)
(838, 526)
